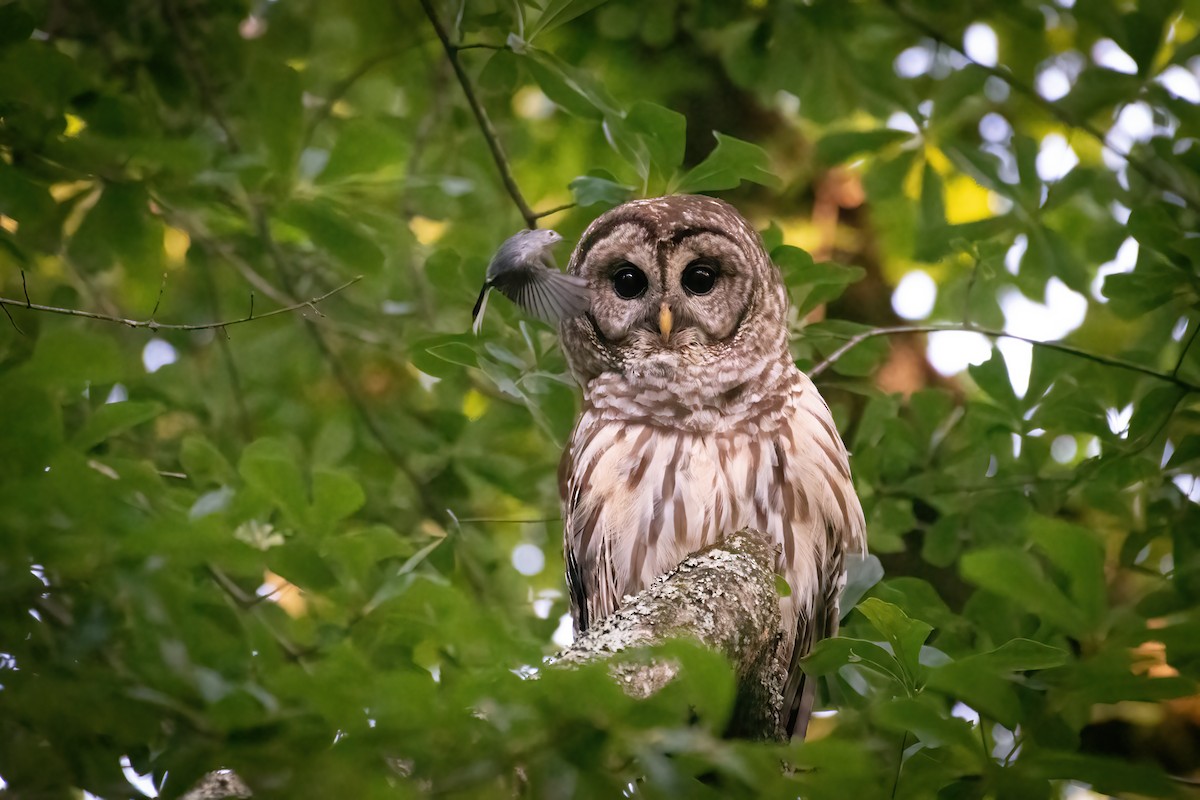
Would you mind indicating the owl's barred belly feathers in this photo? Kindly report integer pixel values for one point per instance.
(641, 496)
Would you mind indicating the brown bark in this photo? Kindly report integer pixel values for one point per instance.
(723, 596)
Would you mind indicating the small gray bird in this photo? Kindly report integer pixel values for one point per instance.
(524, 271)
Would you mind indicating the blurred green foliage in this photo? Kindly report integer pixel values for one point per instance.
(286, 547)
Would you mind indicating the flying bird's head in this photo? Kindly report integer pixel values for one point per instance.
(522, 250)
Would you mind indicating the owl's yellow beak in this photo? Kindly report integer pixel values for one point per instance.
(664, 322)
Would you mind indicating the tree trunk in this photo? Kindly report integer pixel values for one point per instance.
(725, 597)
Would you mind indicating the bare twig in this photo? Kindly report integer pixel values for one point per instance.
(485, 124)
(231, 368)
(557, 209)
(16, 327)
(154, 325)
(899, 764)
(1052, 108)
(252, 603)
(1109, 361)
(1183, 353)
(162, 287)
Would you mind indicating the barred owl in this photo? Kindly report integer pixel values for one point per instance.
(696, 422)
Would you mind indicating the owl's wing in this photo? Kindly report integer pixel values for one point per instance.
(799, 692)
(544, 292)
(570, 492)
(845, 533)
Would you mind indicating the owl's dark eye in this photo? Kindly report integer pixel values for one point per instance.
(699, 277)
(629, 282)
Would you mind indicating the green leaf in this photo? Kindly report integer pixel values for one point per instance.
(446, 355)
(813, 284)
(662, 131)
(931, 245)
(336, 232)
(1018, 655)
(1097, 88)
(119, 230)
(1151, 412)
(911, 715)
(599, 188)
(902, 632)
(301, 564)
(830, 655)
(71, 358)
(1079, 554)
(32, 429)
(560, 12)
(15, 24)
(1050, 254)
(991, 694)
(1111, 776)
(113, 418)
(336, 495)
(28, 202)
(834, 148)
(567, 87)
(274, 111)
(203, 462)
(1150, 286)
(992, 377)
(1016, 575)
(628, 144)
(269, 467)
(861, 575)
(731, 162)
(367, 148)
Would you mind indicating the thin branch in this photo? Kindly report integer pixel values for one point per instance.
(16, 327)
(991, 486)
(154, 325)
(1183, 353)
(1016, 745)
(899, 764)
(478, 46)
(1052, 108)
(231, 368)
(509, 520)
(485, 124)
(162, 287)
(557, 209)
(253, 603)
(1109, 361)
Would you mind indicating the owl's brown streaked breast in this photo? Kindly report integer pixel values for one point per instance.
(640, 496)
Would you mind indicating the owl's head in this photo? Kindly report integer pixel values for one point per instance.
(679, 285)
